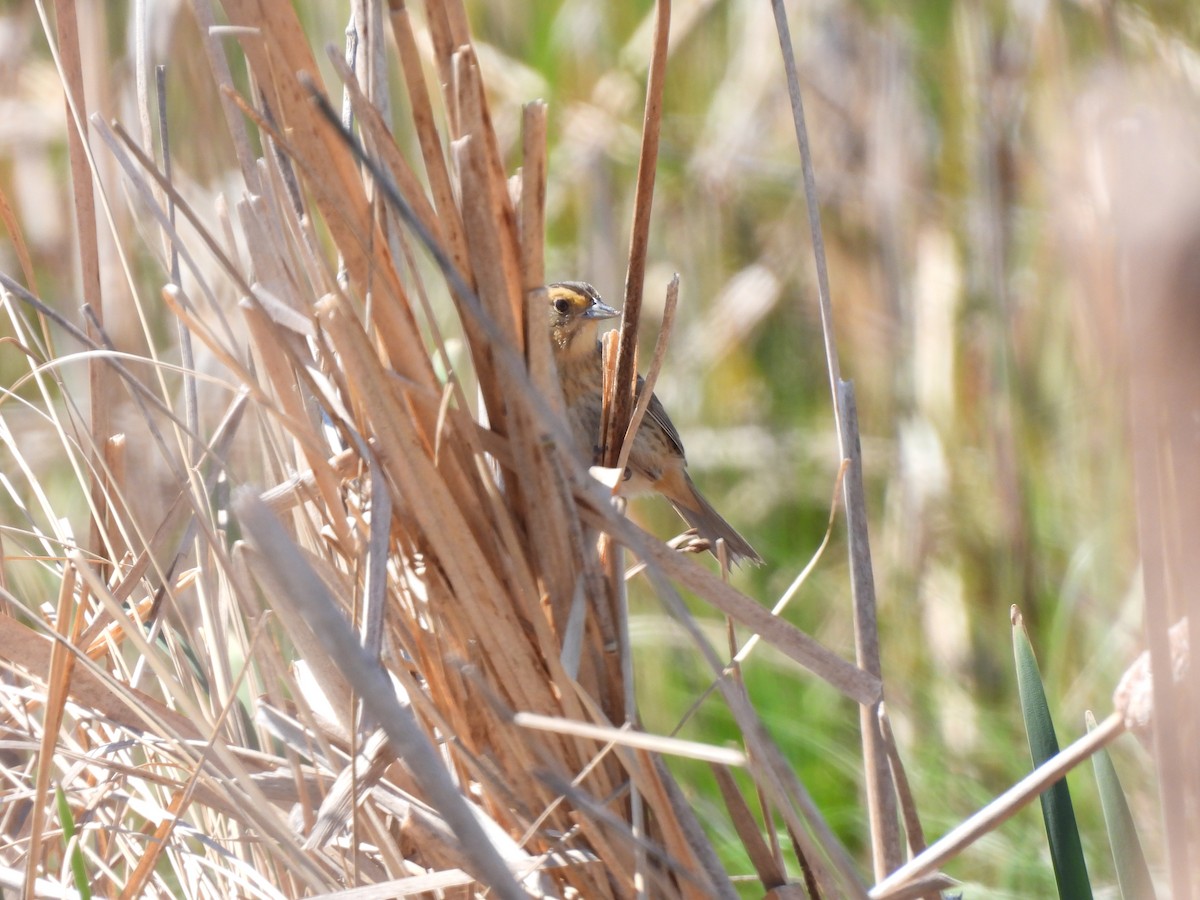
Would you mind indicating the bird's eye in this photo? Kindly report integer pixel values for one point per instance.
(562, 305)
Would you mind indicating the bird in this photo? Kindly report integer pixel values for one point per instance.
(656, 461)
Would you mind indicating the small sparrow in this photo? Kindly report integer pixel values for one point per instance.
(656, 461)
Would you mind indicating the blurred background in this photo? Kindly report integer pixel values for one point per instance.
(968, 233)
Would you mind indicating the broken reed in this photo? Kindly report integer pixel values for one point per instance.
(463, 555)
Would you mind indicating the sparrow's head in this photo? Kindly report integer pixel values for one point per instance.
(575, 312)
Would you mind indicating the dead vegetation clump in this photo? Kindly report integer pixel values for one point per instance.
(402, 659)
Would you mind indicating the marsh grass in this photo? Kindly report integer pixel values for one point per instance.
(282, 617)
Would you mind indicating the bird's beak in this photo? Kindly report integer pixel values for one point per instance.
(600, 310)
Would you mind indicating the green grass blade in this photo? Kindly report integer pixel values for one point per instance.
(1066, 851)
(1133, 874)
(78, 869)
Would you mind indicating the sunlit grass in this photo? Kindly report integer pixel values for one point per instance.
(993, 425)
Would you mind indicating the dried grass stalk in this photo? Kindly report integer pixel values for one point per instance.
(348, 669)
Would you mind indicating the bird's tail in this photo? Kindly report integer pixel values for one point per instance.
(699, 513)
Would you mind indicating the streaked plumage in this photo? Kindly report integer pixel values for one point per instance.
(656, 461)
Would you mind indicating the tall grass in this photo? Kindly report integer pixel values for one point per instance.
(266, 426)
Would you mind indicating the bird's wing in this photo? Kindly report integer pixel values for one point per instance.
(659, 416)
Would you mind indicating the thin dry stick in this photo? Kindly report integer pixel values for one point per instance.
(1001, 809)
(223, 77)
(427, 134)
(68, 621)
(688, 824)
(766, 864)
(881, 792)
(660, 352)
(618, 583)
(908, 806)
(191, 402)
(810, 193)
(626, 737)
(637, 804)
(928, 888)
(533, 196)
(549, 522)
(620, 401)
(881, 801)
(349, 63)
(100, 384)
(141, 78)
(490, 225)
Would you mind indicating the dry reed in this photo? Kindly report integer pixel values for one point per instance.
(412, 672)
(399, 663)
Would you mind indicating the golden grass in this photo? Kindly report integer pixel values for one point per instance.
(395, 660)
(416, 661)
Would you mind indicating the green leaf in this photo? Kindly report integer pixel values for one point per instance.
(1133, 874)
(78, 869)
(1066, 850)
